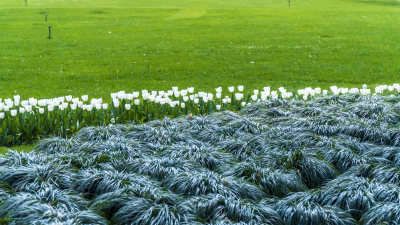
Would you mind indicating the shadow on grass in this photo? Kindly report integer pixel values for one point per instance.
(382, 2)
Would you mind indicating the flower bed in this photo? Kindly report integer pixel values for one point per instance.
(24, 121)
(331, 160)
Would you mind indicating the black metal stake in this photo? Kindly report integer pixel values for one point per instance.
(49, 32)
(45, 19)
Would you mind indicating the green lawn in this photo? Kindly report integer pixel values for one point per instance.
(102, 46)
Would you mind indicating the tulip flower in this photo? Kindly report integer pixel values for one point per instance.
(240, 88)
(41, 110)
(127, 106)
(218, 89)
(137, 101)
(84, 98)
(13, 112)
(231, 89)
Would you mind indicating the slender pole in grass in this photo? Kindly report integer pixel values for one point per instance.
(26, 3)
(49, 32)
(45, 18)
(289, 3)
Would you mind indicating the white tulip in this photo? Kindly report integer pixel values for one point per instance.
(24, 103)
(184, 92)
(50, 108)
(205, 99)
(218, 95)
(196, 101)
(390, 88)
(243, 104)
(16, 102)
(80, 104)
(28, 108)
(136, 102)
(183, 105)
(240, 88)
(21, 110)
(174, 89)
(129, 96)
(229, 100)
(41, 110)
(254, 97)
(116, 103)
(1, 106)
(210, 96)
(136, 94)
(104, 106)
(238, 96)
(2, 115)
(176, 94)
(218, 107)
(325, 92)
(68, 98)
(170, 92)
(73, 106)
(231, 89)
(32, 101)
(17, 97)
(42, 102)
(304, 97)
(13, 112)
(185, 98)
(89, 107)
(255, 92)
(191, 90)
(97, 106)
(127, 106)
(84, 98)
(6, 108)
(218, 89)
(364, 86)
(224, 101)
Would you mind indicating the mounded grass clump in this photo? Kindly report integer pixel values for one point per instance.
(331, 160)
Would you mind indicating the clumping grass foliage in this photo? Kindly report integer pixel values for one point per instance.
(334, 159)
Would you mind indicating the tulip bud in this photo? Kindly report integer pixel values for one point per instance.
(183, 105)
(41, 110)
(13, 112)
(84, 98)
(218, 107)
(104, 106)
(240, 88)
(231, 89)
(2, 115)
(127, 106)
(136, 102)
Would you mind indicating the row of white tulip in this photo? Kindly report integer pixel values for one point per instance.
(15, 105)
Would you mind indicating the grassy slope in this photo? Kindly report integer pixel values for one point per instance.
(158, 44)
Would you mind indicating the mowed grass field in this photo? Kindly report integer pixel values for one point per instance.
(102, 46)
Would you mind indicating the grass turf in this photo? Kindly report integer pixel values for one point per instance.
(103, 46)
